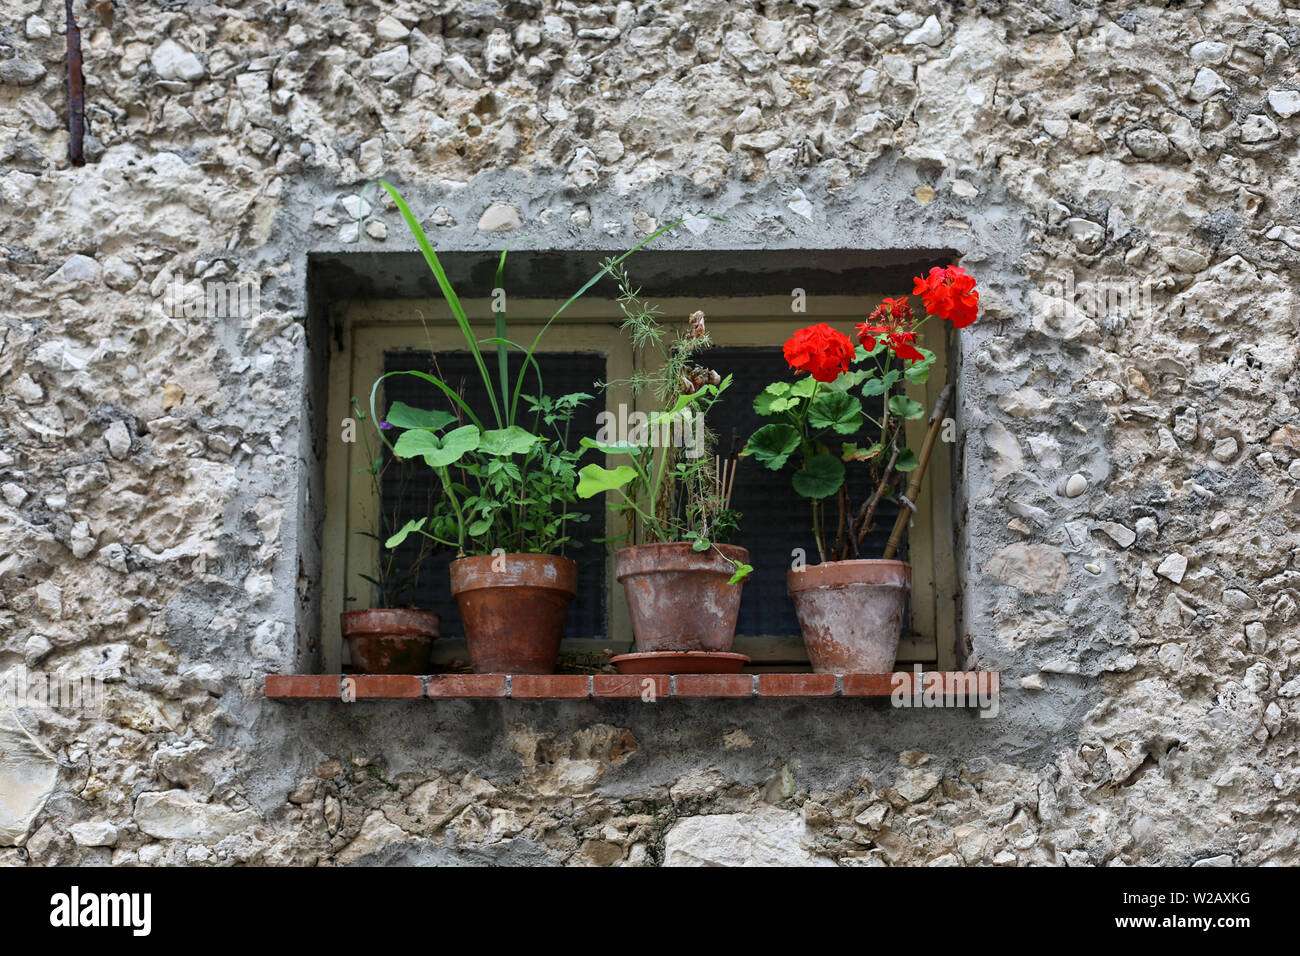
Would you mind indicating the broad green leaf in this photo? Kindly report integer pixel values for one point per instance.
(405, 531)
(511, 440)
(437, 452)
(774, 399)
(804, 387)
(479, 527)
(919, 372)
(700, 544)
(907, 460)
(773, 445)
(904, 407)
(850, 379)
(593, 479)
(742, 571)
(821, 478)
(878, 386)
(837, 410)
(401, 415)
(611, 448)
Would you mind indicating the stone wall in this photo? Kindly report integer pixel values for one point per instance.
(1129, 461)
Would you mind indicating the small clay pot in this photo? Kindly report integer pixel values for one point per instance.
(851, 613)
(390, 640)
(678, 597)
(513, 607)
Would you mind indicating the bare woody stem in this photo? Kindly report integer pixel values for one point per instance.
(863, 521)
(914, 485)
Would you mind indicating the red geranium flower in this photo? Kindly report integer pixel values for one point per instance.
(820, 351)
(891, 321)
(950, 294)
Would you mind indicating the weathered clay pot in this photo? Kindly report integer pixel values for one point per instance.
(513, 607)
(851, 613)
(679, 598)
(390, 640)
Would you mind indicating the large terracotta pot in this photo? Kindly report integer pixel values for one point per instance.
(513, 607)
(679, 598)
(851, 613)
(389, 640)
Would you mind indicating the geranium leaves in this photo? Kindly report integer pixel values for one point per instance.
(836, 410)
(880, 384)
(904, 407)
(773, 445)
(821, 477)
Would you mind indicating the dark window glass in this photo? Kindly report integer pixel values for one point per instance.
(562, 373)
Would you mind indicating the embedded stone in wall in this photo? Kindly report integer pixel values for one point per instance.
(175, 815)
(764, 837)
(1035, 568)
(27, 775)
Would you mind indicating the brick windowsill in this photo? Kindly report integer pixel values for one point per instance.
(618, 686)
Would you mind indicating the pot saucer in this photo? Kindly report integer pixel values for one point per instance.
(680, 662)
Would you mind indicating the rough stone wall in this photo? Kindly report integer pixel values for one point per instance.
(1129, 548)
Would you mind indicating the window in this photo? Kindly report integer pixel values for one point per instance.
(374, 335)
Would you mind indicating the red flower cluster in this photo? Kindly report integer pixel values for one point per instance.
(891, 321)
(820, 351)
(950, 294)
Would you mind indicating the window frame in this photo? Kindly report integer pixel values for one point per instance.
(365, 328)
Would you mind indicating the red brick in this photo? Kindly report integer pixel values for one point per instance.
(715, 685)
(385, 686)
(549, 686)
(300, 686)
(796, 685)
(631, 685)
(467, 685)
(875, 685)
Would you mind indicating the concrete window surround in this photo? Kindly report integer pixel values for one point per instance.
(553, 274)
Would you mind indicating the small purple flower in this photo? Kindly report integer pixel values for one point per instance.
(386, 425)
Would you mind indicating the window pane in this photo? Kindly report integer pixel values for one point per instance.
(562, 373)
(774, 520)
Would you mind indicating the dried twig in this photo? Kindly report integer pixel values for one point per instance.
(914, 485)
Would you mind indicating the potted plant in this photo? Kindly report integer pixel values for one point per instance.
(683, 585)
(388, 638)
(850, 608)
(508, 484)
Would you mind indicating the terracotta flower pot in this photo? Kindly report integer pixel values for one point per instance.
(679, 598)
(851, 613)
(513, 607)
(390, 640)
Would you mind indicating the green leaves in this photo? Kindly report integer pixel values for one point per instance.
(774, 399)
(611, 448)
(821, 477)
(401, 415)
(511, 440)
(879, 385)
(904, 407)
(742, 570)
(405, 531)
(773, 445)
(907, 460)
(594, 480)
(837, 410)
(437, 452)
(919, 372)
